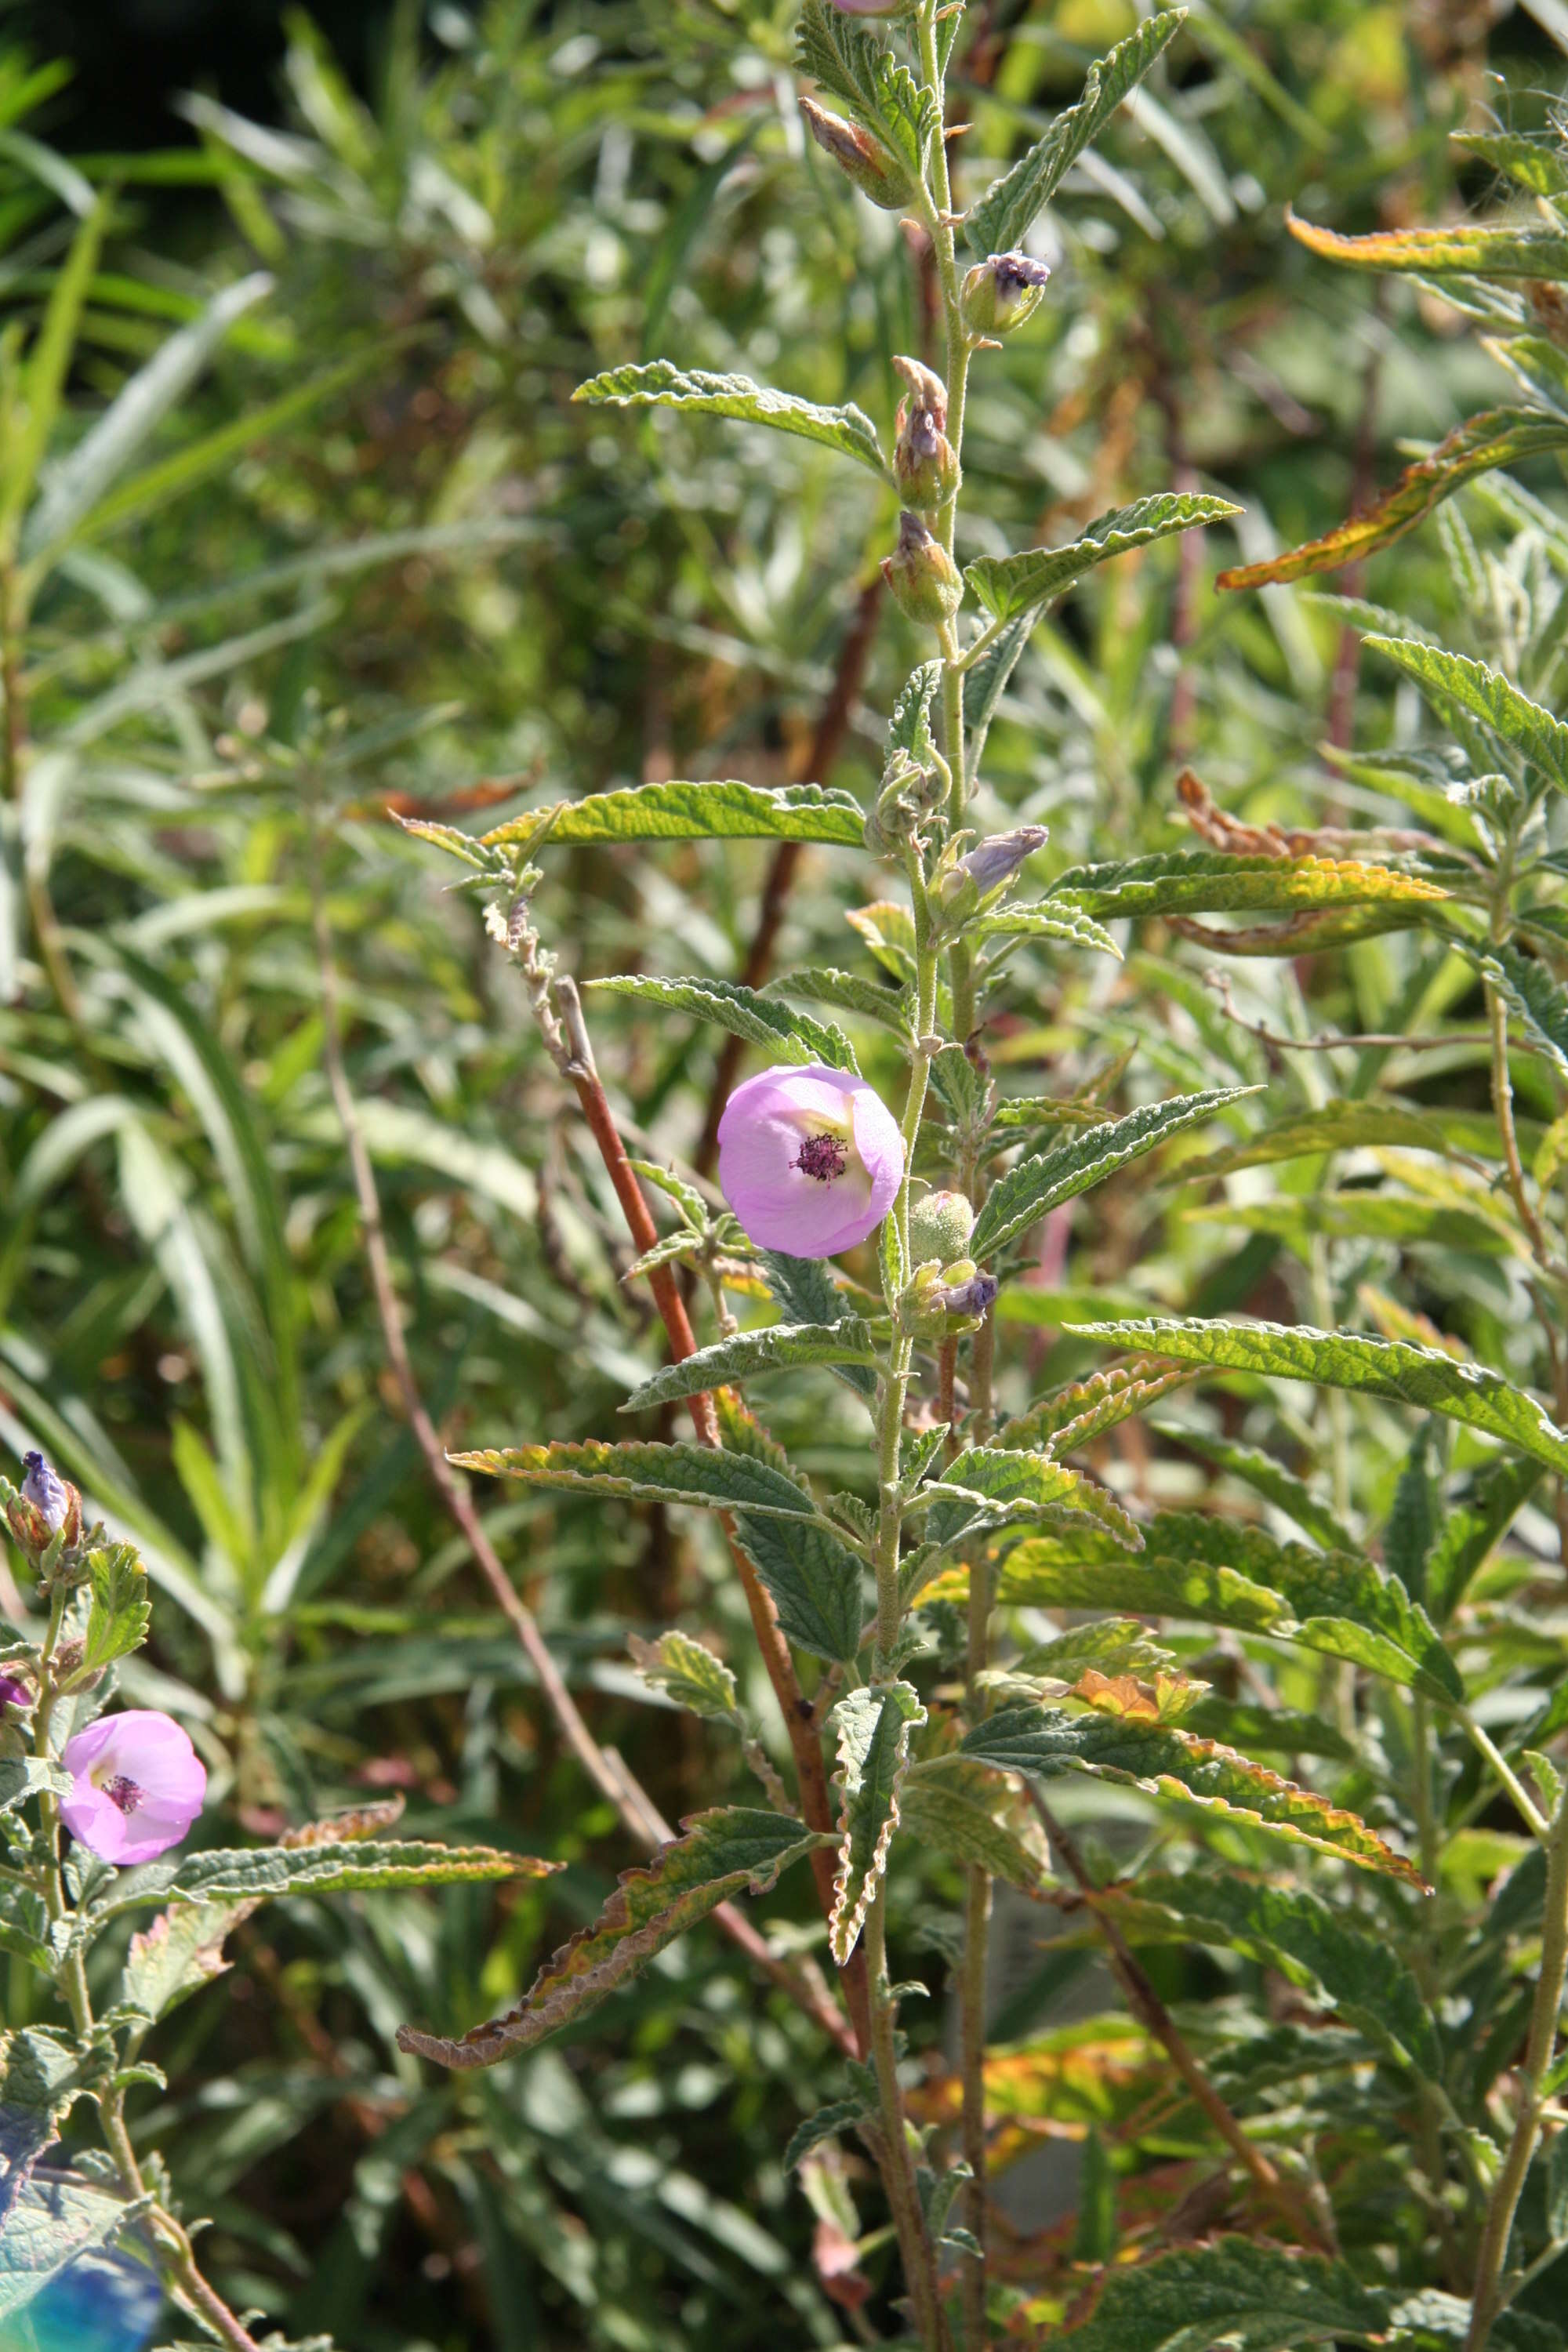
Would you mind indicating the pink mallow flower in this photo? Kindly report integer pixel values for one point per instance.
(139, 1785)
(810, 1160)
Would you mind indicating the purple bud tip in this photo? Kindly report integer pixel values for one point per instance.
(46, 1492)
(996, 860)
(1014, 271)
(137, 1785)
(810, 1160)
(13, 1693)
(914, 536)
(975, 1296)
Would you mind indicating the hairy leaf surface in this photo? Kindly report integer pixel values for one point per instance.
(789, 1036)
(745, 1355)
(1037, 1184)
(1011, 585)
(659, 384)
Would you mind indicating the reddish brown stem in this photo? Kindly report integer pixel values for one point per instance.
(805, 1742)
(826, 740)
(608, 1773)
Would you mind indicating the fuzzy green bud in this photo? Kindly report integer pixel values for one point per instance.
(1000, 292)
(910, 796)
(926, 583)
(940, 1228)
(863, 158)
(925, 464)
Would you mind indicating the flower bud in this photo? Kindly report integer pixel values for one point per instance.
(968, 1300)
(910, 796)
(867, 163)
(926, 583)
(973, 880)
(1000, 292)
(925, 463)
(940, 1228)
(943, 1302)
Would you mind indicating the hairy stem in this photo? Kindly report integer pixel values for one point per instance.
(898, 2165)
(1490, 2294)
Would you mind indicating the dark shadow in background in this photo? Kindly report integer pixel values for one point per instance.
(133, 58)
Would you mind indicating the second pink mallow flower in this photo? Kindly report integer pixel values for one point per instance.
(810, 1160)
(139, 1785)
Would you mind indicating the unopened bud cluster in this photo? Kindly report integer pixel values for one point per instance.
(44, 1515)
(909, 802)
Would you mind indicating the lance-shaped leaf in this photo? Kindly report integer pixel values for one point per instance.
(718, 1854)
(1289, 1928)
(1076, 1416)
(659, 384)
(908, 730)
(950, 1813)
(992, 1486)
(1007, 212)
(1066, 922)
(745, 1355)
(985, 682)
(1335, 1126)
(1121, 1739)
(1472, 1524)
(690, 1674)
(1211, 882)
(832, 2122)
(1257, 2297)
(1219, 1572)
(1390, 1368)
(789, 1036)
(712, 1478)
(718, 812)
(1037, 1184)
(805, 1292)
(847, 992)
(26, 1776)
(262, 1873)
(1534, 995)
(1469, 251)
(1011, 585)
(815, 1580)
(1499, 436)
(1453, 681)
(873, 1730)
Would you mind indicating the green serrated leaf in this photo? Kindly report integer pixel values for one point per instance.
(747, 1355)
(985, 682)
(832, 2122)
(177, 1954)
(1534, 995)
(987, 1486)
(846, 58)
(1209, 881)
(1480, 250)
(24, 1776)
(946, 1814)
(908, 730)
(659, 384)
(119, 1611)
(717, 812)
(1289, 1927)
(714, 1479)
(1011, 585)
(846, 991)
(689, 1673)
(263, 1874)
(717, 1855)
(814, 1579)
(759, 1020)
(1255, 2298)
(1499, 437)
(1532, 163)
(1455, 681)
(1035, 1185)
(1067, 923)
(1390, 1368)
(1084, 1410)
(1168, 1760)
(1007, 212)
(1220, 1572)
(1270, 1478)
(805, 1292)
(873, 1730)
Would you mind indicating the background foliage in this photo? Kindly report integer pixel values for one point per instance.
(367, 554)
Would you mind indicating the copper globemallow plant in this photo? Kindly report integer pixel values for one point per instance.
(904, 1622)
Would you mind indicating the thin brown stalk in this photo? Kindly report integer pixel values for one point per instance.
(613, 1780)
(977, 1889)
(1147, 2005)
(826, 740)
